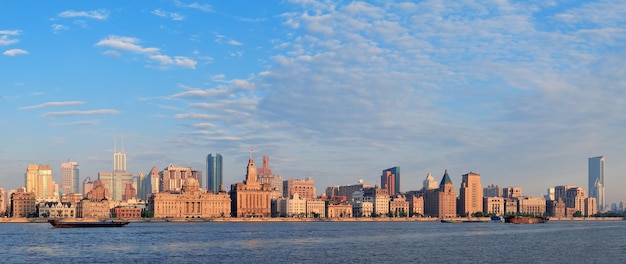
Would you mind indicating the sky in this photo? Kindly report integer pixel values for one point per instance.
(521, 92)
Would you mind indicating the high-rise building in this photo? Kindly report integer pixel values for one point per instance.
(390, 180)
(87, 185)
(69, 177)
(441, 202)
(39, 181)
(596, 181)
(116, 181)
(250, 198)
(304, 188)
(215, 173)
(430, 183)
(173, 177)
(119, 159)
(492, 190)
(470, 194)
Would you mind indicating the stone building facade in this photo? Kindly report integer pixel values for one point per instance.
(250, 198)
(340, 210)
(191, 202)
(23, 204)
(56, 210)
(93, 208)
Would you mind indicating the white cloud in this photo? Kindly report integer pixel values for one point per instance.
(126, 44)
(101, 14)
(170, 15)
(81, 113)
(234, 42)
(5, 40)
(53, 104)
(14, 52)
(58, 27)
(132, 45)
(202, 7)
(196, 116)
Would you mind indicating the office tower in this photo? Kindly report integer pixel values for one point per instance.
(441, 202)
(69, 177)
(492, 190)
(596, 181)
(390, 180)
(470, 194)
(430, 183)
(511, 192)
(39, 181)
(119, 159)
(87, 185)
(215, 173)
(304, 188)
(173, 177)
(115, 181)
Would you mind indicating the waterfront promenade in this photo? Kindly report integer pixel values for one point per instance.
(289, 219)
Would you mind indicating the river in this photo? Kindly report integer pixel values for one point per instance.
(318, 242)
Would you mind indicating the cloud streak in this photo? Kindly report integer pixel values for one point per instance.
(14, 52)
(81, 113)
(53, 104)
(100, 14)
(129, 44)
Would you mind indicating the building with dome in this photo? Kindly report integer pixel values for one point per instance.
(190, 202)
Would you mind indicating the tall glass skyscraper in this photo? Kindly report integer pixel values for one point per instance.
(214, 172)
(596, 181)
(390, 180)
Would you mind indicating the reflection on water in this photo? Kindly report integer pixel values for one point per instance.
(323, 242)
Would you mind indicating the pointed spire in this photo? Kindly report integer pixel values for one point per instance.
(446, 178)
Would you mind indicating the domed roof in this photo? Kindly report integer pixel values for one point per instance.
(191, 184)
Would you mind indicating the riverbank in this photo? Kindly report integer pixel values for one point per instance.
(285, 219)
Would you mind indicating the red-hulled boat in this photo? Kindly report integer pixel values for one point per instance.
(75, 224)
(515, 219)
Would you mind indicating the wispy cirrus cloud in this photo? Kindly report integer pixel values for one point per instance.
(101, 14)
(77, 123)
(14, 52)
(196, 116)
(81, 113)
(129, 44)
(195, 5)
(170, 15)
(53, 104)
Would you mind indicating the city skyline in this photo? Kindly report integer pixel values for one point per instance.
(521, 93)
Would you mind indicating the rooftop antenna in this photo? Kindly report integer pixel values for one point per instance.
(251, 150)
(122, 143)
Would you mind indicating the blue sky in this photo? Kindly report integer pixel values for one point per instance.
(522, 93)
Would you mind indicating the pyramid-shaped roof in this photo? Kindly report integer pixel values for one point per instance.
(446, 179)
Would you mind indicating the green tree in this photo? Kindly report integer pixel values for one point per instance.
(578, 214)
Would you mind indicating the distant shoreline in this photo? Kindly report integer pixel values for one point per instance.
(283, 219)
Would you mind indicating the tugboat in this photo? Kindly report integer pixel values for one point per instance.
(517, 219)
(76, 224)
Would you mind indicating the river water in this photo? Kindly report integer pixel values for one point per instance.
(318, 242)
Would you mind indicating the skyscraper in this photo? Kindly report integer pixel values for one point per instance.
(596, 181)
(390, 180)
(470, 194)
(39, 181)
(214, 172)
(69, 177)
(115, 181)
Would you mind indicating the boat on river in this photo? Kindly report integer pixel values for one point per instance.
(516, 219)
(77, 224)
(493, 219)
